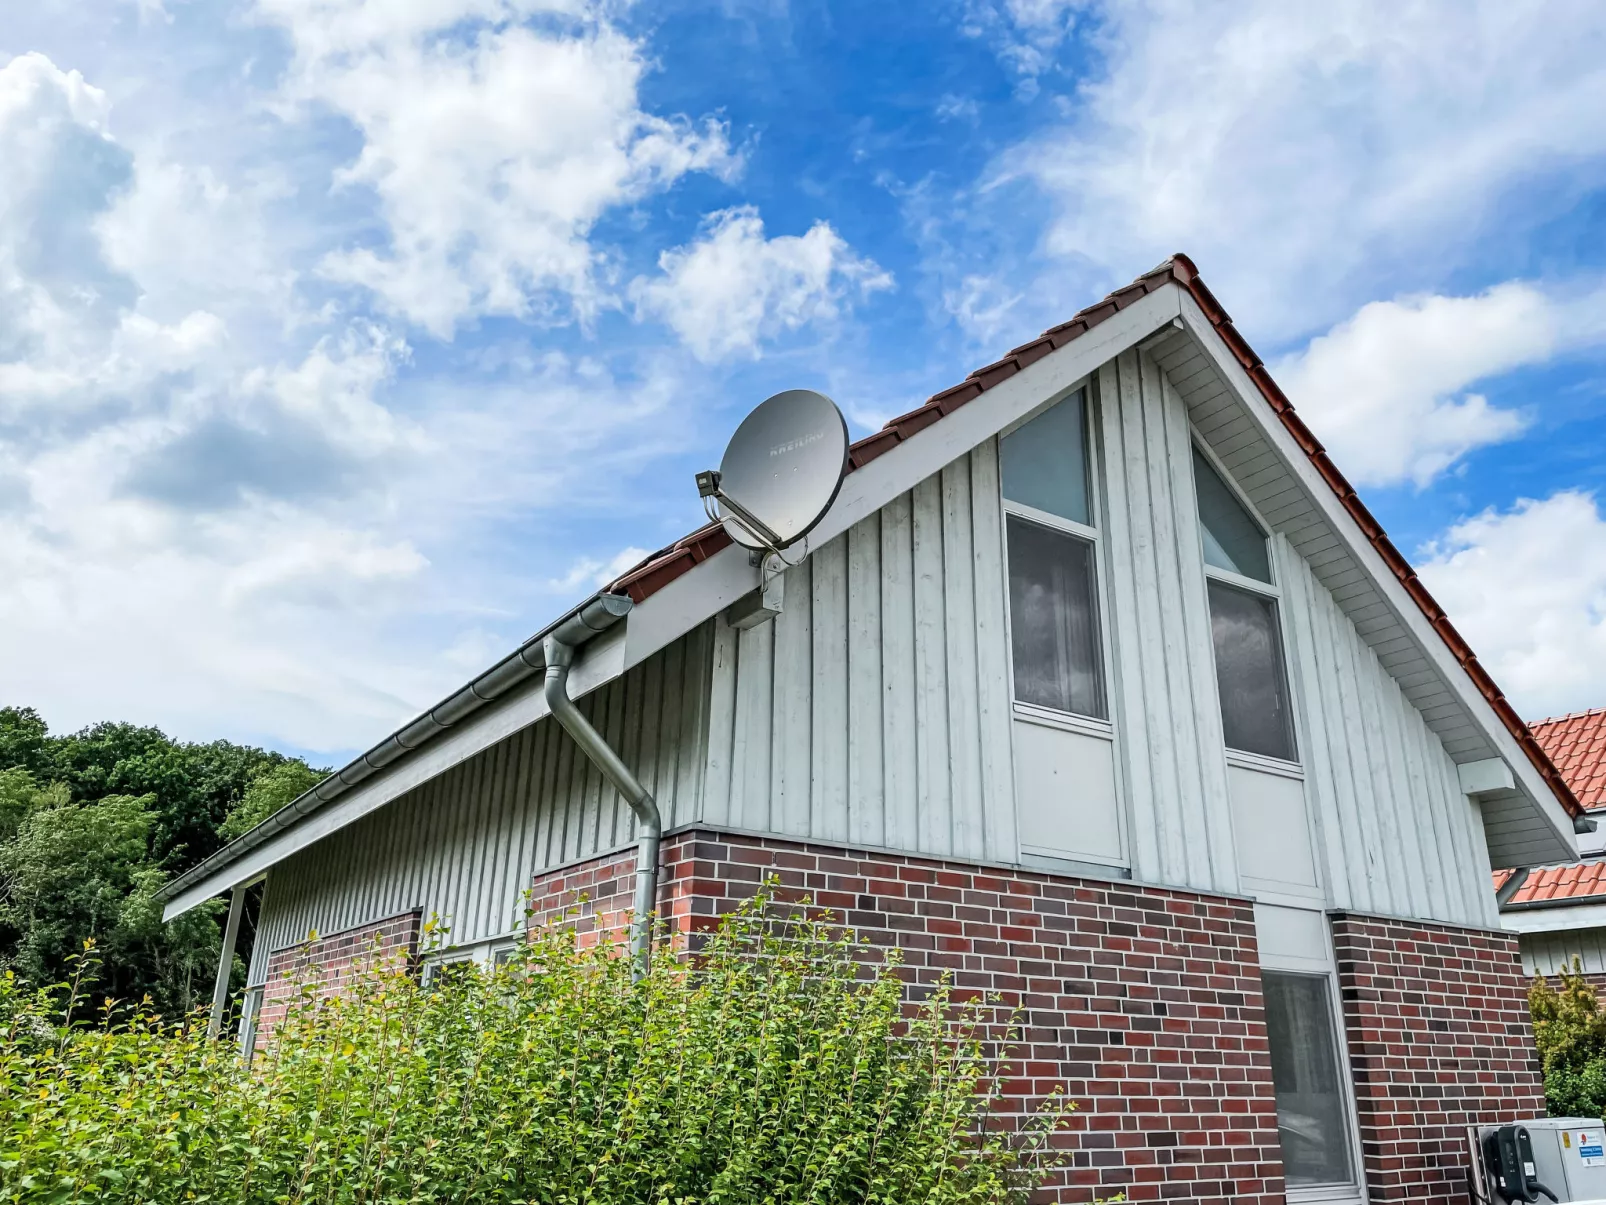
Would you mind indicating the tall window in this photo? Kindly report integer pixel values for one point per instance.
(1312, 1116)
(1250, 678)
(1053, 578)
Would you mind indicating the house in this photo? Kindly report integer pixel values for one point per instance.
(1098, 688)
(1559, 910)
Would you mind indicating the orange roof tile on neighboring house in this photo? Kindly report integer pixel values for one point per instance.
(1576, 744)
(1554, 884)
(664, 566)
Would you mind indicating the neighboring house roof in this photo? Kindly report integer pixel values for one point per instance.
(1576, 745)
(1556, 884)
(663, 567)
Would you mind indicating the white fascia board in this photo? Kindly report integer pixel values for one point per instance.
(1547, 808)
(703, 592)
(1555, 920)
(599, 661)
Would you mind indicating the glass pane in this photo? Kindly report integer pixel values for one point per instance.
(1311, 1121)
(1232, 540)
(1054, 620)
(1249, 673)
(1044, 463)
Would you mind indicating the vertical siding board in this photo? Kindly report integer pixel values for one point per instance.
(935, 823)
(828, 724)
(549, 809)
(717, 803)
(994, 712)
(755, 713)
(866, 781)
(611, 827)
(1357, 852)
(659, 727)
(1302, 626)
(959, 627)
(1385, 807)
(634, 749)
(1420, 851)
(1200, 742)
(690, 742)
(899, 744)
(1153, 630)
(794, 678)
(1128, 687)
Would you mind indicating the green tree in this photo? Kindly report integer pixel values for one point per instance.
(93, 824)
(1570, 1031)
(272, 788)
(77, 872)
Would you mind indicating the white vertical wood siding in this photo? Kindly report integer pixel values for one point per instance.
(875, 708)
(1163, 698)
(465, 846)
(1552, 953)
(1398, 835)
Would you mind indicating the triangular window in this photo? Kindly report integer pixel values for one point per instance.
(1233, 541)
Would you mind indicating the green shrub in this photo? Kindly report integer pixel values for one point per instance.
(783, 1064)
(1570, 1031)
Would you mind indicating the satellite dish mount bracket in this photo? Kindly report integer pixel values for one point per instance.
(771, 560)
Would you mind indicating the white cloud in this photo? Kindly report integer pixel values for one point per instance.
(1311, 157)
(733, 288)
(1527, 587)
(588, 572)
(493, 146)
(1386, 389)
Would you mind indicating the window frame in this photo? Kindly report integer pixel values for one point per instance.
(1322, 964)
(1294, 768)
(1035, 713)
(483, 953)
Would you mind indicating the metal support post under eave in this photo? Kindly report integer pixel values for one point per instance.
(225, 962)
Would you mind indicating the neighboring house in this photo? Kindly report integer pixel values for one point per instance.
(1099, 689)
(1560, 910)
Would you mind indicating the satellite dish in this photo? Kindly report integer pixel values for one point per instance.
(781, 472)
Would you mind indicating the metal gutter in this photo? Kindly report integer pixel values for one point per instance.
(592, 617)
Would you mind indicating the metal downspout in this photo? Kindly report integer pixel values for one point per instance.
(559, 657)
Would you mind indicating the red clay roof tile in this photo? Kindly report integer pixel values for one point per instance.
(659, 570)
(1553, 884)
(1576, 744)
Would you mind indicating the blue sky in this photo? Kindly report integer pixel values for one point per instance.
(344, 342)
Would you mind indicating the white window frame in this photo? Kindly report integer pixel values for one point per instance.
(1035, 713)
(1250, 585)
(483, 953)
(1323, 963)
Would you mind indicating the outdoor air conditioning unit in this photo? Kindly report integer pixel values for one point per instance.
(1560, 1159)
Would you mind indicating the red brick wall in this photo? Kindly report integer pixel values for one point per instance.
(1143, 1004)
(1439, 1039)
(328, 963)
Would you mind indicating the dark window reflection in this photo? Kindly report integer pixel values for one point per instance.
(1054, 620)
(1249, 673)
(1311, 1120)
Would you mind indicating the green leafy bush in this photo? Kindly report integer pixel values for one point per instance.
(781, 1064)
(1570, 1030)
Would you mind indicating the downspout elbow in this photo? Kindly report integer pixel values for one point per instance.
(559, 655)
